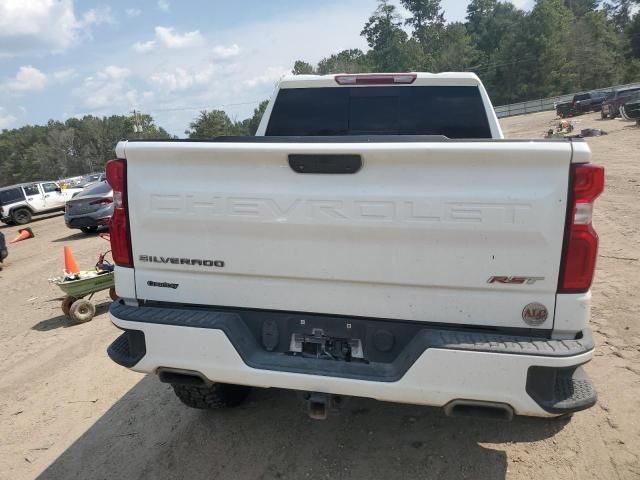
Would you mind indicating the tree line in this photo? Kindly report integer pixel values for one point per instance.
(558, 47)
(79, 146)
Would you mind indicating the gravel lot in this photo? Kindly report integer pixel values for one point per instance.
(67, 411)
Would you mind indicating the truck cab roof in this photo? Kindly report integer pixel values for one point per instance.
(420, 78)
(453, 104)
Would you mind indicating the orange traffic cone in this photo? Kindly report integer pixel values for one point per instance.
(23, 234)
(70, 265)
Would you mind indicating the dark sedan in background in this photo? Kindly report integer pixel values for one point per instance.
(90, 208)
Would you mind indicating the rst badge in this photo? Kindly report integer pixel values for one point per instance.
(514, 280)
(534, 314)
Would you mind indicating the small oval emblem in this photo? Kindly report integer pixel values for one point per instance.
(534, 314)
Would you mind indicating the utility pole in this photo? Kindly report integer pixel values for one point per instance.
(137, 126)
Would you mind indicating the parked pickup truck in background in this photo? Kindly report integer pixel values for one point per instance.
(19, 203)
(377, 238)
(611, 106)
(581, 103)
(631, 109)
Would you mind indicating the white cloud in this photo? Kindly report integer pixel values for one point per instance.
(6, 120)
(107, 88)
(236, 67)
(132, 12)
(96, 16)
(44, 26)
(222, 52)
(523, 4)
(27, 78)
(183, 79)
(270, 76)
(163, 5)
(171, 39)
(64, 75)
(144, 47)
(113, 72)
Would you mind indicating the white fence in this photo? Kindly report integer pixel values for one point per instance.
(544, 104)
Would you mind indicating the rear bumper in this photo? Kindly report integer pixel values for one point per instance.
(84, 222)
(534, 376)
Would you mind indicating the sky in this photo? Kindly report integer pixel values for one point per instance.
(168, 58)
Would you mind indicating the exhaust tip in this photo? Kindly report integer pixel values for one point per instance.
(181, 378)
(478, 409)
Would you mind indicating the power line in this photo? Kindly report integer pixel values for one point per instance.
(180, 109)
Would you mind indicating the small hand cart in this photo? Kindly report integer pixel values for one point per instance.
(74, 303)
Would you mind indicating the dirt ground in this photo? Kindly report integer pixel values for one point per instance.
(67, 411)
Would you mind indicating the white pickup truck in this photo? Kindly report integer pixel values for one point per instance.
(377, 238)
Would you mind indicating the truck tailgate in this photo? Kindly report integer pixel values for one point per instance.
(456, 232)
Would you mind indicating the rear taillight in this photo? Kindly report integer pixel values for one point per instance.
(102, 201)
(376, 79)
(119, 224)
(581, 240)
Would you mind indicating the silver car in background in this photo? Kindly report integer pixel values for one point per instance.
(90, 208)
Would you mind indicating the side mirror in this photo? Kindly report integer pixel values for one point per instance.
(58, 189)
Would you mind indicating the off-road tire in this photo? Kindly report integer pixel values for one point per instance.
(218, 395)
(82, 311)
(21, 216)
(89, 230)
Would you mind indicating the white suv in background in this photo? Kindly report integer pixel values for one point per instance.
(19, 203)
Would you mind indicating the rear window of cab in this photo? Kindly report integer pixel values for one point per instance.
(452, 111)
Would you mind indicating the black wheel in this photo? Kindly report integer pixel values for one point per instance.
(89, 230)
(218, 395)
(21, 216)
(82, 311)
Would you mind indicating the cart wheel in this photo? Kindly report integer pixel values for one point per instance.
(82, 311)
(66, 304)
(113, 294)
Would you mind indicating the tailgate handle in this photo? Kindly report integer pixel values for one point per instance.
(325, 163)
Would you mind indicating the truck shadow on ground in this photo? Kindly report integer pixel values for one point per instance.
(149, 434)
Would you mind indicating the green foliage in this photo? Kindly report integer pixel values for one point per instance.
(346, 61)
(597, 51)
(216, 123)
(82, 145)
(633, 34)
(458, 52)
(302, 68)
(213, 123)
(427, 22)
(549, 39)
(581, 7)
(391, 48)
(559, 47)
(250, 125)
(64, 149)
